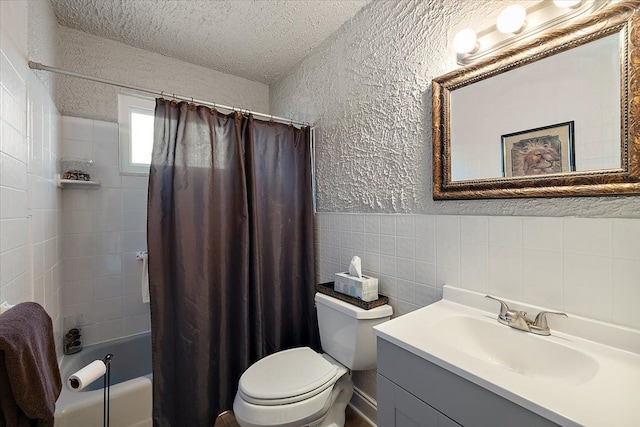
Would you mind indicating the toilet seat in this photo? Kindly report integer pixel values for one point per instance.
(288, 376)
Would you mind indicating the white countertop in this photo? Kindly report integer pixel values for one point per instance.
(607, 395)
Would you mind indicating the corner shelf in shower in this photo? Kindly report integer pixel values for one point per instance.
(76, 184)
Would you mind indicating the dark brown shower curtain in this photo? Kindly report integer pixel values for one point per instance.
(231, 265)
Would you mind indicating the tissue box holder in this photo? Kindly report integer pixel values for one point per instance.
(364, 288)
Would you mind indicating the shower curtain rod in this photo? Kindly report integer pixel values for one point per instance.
(38, 66)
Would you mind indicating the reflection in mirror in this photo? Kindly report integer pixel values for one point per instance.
(495, 122)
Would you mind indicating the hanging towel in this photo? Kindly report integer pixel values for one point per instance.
(145, 278)
(30, 380)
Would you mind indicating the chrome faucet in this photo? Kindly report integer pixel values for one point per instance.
(519, 319)
(540, 325)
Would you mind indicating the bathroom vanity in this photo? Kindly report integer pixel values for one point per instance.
(406, 382)
(452, 364)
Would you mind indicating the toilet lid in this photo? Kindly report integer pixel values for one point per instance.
(286, 374)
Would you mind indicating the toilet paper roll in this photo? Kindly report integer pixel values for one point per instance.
(87, 375)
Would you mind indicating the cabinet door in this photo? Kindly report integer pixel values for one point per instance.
(446, 422)
(386, 402)
(413, 412)
(398, 408)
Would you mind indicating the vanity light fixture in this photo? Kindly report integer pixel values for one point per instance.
(465, 41)
(516, 24)
(512, 19)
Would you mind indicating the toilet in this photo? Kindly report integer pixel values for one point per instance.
(300, 387)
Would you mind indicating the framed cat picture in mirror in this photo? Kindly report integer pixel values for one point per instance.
(541, 151)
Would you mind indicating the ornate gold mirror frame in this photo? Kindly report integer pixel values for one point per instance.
(622, 17)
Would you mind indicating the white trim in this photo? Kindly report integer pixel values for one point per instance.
(364, 405)
(127, 103)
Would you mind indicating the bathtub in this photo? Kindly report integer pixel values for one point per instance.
(131, 386)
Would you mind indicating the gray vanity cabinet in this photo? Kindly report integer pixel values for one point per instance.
(402, 409)
(413, 392)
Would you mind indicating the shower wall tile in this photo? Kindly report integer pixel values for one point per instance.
(108, 287)
(30, 144)
(102, 231)
(77, 129)
(136, 324)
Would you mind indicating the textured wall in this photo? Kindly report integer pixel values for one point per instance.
(96, 56)
(367, 89)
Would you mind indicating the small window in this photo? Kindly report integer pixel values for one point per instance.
(135, 118)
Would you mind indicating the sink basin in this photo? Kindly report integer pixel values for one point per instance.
(520, 352)
(585, 374)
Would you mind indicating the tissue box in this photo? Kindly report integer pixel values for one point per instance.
(364, 288)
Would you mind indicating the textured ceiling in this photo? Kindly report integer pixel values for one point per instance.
(256, 39)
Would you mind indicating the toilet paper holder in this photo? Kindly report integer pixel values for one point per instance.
(75, 383)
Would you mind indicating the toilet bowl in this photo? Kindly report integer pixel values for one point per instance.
(295, 387)
(300, 387)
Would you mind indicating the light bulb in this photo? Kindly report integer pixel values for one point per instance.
(465, 41)
(511, 19)
(567, 3)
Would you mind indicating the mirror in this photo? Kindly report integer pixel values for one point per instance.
(553, 117)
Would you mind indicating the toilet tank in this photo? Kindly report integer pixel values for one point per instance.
(346, 331)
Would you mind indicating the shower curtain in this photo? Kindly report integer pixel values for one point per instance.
(231, 263)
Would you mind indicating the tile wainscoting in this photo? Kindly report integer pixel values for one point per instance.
(584, 266)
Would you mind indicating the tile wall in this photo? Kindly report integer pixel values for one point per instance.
(102, 231)
(29, 199)
(582, 266)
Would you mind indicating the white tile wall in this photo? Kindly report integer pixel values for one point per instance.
(29, 200)
(102, 231)
(584, 266)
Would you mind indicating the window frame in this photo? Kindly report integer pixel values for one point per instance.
(126, 103)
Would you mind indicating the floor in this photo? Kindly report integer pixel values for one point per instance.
(353, 420)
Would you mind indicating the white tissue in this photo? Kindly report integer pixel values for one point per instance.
(87, 375)
(355, 268)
